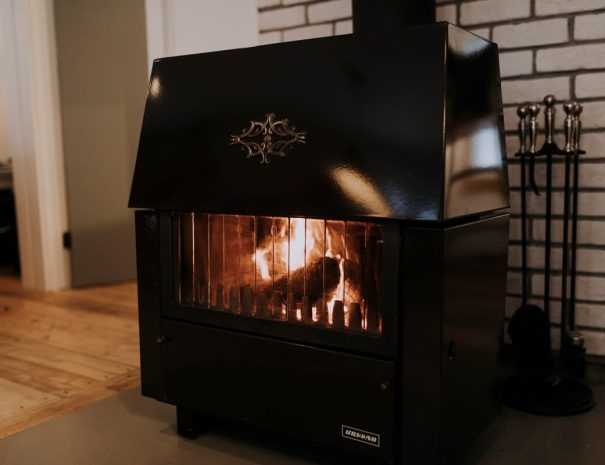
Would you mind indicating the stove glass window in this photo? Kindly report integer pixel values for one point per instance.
(325, 273)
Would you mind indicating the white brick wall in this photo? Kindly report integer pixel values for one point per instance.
(281, 18)
(343, 27)
(590, 85)
(547, 46)
(329, 11)
(308, 32)
(588, 56)
(590, 27)
(524, 90)
(486, 11)
(516, 63)
(555, 7)
(549, 31)
(446, 13)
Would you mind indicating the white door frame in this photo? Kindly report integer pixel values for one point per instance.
(29, 83)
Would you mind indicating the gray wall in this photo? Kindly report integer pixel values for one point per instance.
(102, 54)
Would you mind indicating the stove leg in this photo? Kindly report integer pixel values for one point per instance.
(191, 424)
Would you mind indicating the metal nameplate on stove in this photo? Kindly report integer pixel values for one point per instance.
(359, 435)
(271, 137)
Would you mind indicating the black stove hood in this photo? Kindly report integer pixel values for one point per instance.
(395, 124)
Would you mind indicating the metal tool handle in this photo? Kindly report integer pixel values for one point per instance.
(549, 117)
(568, 126)
(533, 110)
(577, 130)
(522, 113)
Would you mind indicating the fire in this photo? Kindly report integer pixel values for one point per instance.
(304, 243)
(289, 269)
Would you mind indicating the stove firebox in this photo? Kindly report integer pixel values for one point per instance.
(321, 241)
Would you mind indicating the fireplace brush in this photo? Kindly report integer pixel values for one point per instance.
(539, 388)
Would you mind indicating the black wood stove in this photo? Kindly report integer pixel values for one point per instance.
(321, 243)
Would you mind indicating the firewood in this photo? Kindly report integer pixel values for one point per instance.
(338, 315)
(247, 300)
(322, 272)
(355, 317)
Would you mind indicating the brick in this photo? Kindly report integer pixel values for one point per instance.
(526, 90)
(587, 315)
(591, 288)
(554, 7)
(267, 3)
(266, 38)
(594, 144)
(481, 32)
(589, 204)
(590, 315)
(446, 13)
(343, 27)
(535, 258)
(281, 18)
(486, 11)
(592, 175)
(589, 27)
(590, 85)
(513, 175)
(511, 120)
(549, 31)
(514, 256)
(594, 342)
(514, 229)
(513, 282)
(594, 115)
(588, 56)
(330, 11)
(590, 232)
(511, 306)
(308, 32)
(512, 145)
(515, 63)
(588, 260)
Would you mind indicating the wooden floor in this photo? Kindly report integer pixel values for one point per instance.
(65, 350)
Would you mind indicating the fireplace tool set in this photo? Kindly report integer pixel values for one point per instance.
(538, 388)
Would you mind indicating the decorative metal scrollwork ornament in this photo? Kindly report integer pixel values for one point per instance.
(270, 137)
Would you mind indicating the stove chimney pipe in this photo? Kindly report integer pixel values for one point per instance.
(376, 15)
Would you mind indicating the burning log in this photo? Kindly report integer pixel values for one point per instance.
(322, 273)
(234, 299)
(355, 317)
(307, 310)
(262, 309)
(220, 297)
(276, 305)
(247, 300)
(338, 315)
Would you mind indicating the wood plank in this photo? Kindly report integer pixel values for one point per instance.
(62, 351)
(52, 408)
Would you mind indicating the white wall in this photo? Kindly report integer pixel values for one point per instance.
(180, 27)
(32, 138)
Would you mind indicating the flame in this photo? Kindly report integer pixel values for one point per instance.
(297, 247)
(292, 246)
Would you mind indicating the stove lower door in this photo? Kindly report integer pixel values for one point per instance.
(320, 396)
